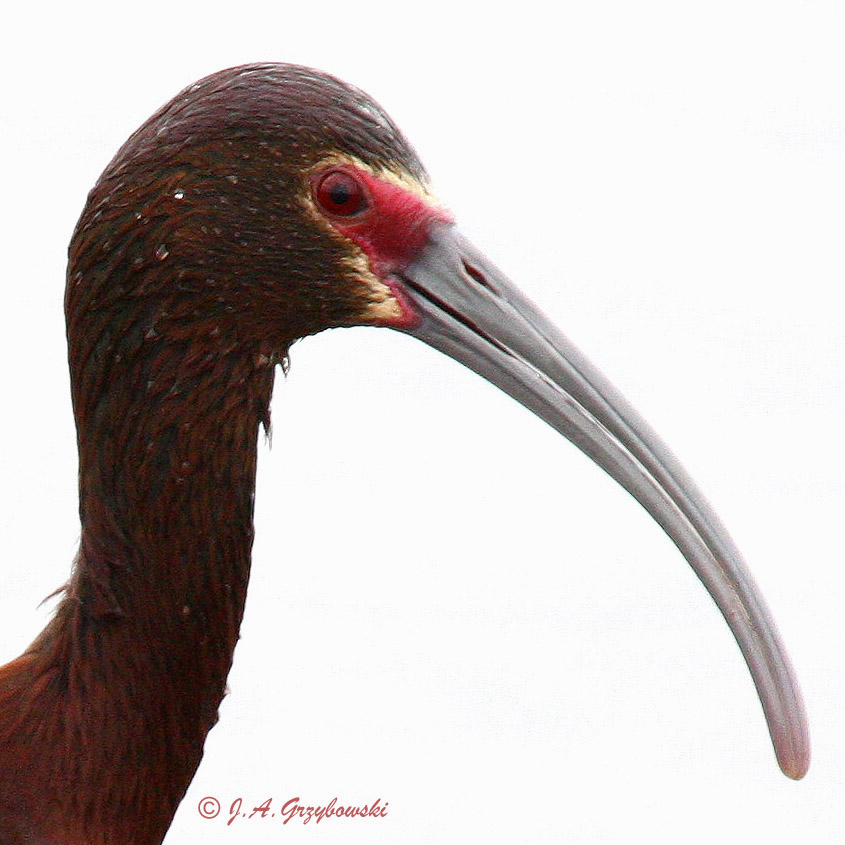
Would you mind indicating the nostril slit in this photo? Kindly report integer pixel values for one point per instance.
(476, 274)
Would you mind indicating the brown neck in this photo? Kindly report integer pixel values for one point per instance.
(119, 691)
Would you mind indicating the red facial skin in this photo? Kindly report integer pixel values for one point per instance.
(391, 224)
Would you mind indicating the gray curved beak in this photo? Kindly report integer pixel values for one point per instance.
(473, 313)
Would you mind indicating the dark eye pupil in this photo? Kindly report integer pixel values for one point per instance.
(338, 192)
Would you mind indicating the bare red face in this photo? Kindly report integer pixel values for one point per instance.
(388, 222)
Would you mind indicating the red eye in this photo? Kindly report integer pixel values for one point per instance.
(341, 194)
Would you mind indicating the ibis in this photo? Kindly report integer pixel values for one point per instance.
(263, 204)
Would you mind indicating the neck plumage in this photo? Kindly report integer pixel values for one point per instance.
(107, 713)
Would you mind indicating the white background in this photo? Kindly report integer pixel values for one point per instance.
(451, 608)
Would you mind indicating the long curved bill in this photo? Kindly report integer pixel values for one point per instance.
(470, 311)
